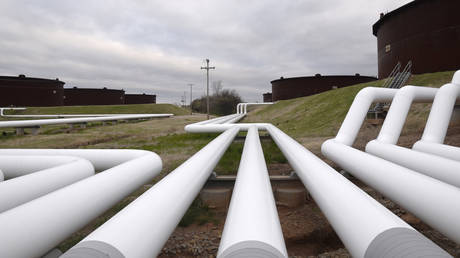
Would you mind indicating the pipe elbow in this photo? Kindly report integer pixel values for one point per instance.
(326, 146)
(456, 78)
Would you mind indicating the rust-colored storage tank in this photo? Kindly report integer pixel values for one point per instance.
(140, 98)
(267, 97)
(30, 92)
(87, 96)
(424, 31)
(289, 88)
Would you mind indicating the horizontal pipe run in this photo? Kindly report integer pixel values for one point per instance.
(19, 190)
(443, 169)
(431, 200)
(252, 227)
(344, 204)
(31, 123)
(213, 128)
(234, 119)
(358, 111)
(157, 212)
(46, 221)
(446, 151)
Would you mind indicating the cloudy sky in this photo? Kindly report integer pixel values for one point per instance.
(155, 46)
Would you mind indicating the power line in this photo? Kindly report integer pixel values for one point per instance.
(207, 67)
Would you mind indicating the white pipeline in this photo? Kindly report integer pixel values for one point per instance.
(39, 122)
(142, 228)
(385, 145)
(345, 205)
(438, 122)
(252, 227)
(44, 222)
(27, 185)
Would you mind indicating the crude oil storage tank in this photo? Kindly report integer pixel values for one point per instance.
(426, 32)
(30, 92)
(88, 96)
(267, 97)
(140, 98)
(295, 87)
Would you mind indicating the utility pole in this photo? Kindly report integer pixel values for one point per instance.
(191, 110)
(185, 99)
(207, 84)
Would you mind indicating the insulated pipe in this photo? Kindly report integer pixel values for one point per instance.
(431, 200)
(345, 206)
(44, 222)
(213, 128)
(157, 212)
(101, 159)
(440, 114)
(241, 108)
(30, 123)
(252, 227)
(19, 190)
(399, 109)
(235, 119)
(446, 151)
(441, 168)
(385, 145)
(358, 111)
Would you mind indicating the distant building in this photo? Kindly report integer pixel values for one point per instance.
(267, 97)
(289, 88)
(30, 92)
(426, 32)
(140, 99)
(88, 96)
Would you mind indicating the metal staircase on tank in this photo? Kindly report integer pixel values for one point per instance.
(395, 80)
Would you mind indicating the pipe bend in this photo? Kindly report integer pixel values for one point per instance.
(456, 78)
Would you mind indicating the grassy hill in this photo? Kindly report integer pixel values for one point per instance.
(323, 113)
(106, 109)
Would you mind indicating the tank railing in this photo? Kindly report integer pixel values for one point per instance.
(410, 189)
(438, 121)
(156, 212)
(385, 145)
(46, 221)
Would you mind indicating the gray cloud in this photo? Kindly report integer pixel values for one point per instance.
(159, 46)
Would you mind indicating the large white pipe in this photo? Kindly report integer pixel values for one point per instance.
(441, 168)
(358, 111)
(252, 227)
(385, 145)
(39, 122)
(19, 190)
(141, 229)
(32, 229)
(399, 109)
(431, 200)
(438, 122)
(345, 205)
(241, 108)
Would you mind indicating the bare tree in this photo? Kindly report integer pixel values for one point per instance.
(217, 87)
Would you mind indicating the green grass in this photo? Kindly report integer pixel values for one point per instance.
(105, 109)
(323, 113)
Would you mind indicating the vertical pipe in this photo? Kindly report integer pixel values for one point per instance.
(252, 227)
(157, 212)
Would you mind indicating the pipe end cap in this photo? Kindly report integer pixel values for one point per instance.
(93, 249)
